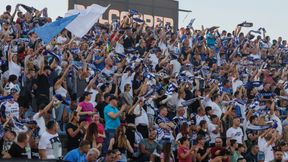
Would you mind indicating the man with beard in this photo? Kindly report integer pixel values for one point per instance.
(278, 155)
(147, 146)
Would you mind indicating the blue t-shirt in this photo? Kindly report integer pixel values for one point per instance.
(210, 40)
(101, 65)
(74, 155)
(109, 122)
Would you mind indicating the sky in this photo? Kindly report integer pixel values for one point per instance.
(224, 13)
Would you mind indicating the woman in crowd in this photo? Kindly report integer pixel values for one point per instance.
(185, 154)
(75, 131)
(92, 135)
(166, 154)
(101, 130)
(120, 142)
(126, 94)
(184, 132)
(85, 108)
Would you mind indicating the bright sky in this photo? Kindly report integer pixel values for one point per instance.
(223, 13)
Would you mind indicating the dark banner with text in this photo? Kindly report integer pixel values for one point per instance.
(153, 11)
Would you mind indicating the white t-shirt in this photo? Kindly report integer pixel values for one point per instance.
(14, 69)
(125, 79)
(267, 149)
(40, 123)
(51, 144)
(236, 134)
(143, 118)
(199, 118)
(154, 60)
(176, 66)
(213, 136)
(216, 108)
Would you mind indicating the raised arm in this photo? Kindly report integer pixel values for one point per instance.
(60, 81)
(47, 108)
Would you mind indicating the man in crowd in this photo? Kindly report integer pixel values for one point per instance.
(50, 145)
(148, 146)
(78, 154)
(112, 119)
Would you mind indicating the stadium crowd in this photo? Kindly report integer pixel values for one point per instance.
(129, 92)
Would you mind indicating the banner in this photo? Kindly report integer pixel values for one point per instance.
(50, 30)
(86, 19)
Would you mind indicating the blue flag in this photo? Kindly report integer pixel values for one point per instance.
(50, 30)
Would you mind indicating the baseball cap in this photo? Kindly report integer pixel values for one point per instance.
(86, 93)
(112, 97)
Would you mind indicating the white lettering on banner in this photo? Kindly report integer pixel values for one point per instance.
(111, 13)
(150, 20)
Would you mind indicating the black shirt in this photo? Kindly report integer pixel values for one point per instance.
(100, 108)
(141, 50)
(73, 142)
(17, 152)
(43, 85)
(202, 152)
(250, 157)
(128, 43)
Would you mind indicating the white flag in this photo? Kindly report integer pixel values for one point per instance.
(86, 19)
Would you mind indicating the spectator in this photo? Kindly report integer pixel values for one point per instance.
(74, 131)
(237, 154)
(7, 141)
(78, 154)
(11, 108)
(165, 125)
(39, 116)
(141, 120)
(278, 155)
(50, 145)
(92, 155)
(214, 128)
(203, 131)
(112, 120)
(101, 130)
(252, 155)
(218, 148)
(85, 108)
(110, 156)
(121, 143)
(147, 146)
(184, 153)
(92, 135)
(166, 154)
(18, 149)
(202, 153)
(184, 132)
(235, 132)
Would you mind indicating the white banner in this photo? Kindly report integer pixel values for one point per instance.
(86, 19)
